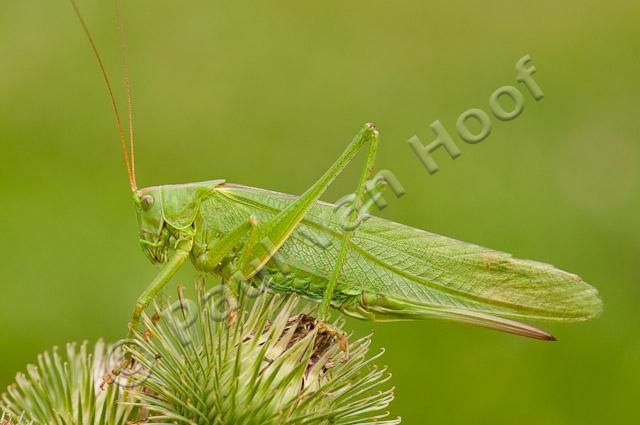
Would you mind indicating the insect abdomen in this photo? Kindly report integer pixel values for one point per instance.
(288, 279)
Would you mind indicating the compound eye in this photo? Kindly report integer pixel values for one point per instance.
(146, 202)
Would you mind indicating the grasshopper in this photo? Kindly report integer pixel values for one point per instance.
(379, 270)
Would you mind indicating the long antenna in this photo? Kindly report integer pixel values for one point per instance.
(127, 83)
(130, 172)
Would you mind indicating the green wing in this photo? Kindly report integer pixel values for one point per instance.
(396, 272)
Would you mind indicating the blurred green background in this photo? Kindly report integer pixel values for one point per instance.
(267, 94)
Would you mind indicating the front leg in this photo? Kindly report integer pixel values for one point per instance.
(183, 249)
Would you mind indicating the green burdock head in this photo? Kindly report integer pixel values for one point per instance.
(62, 389)
(267, 362)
